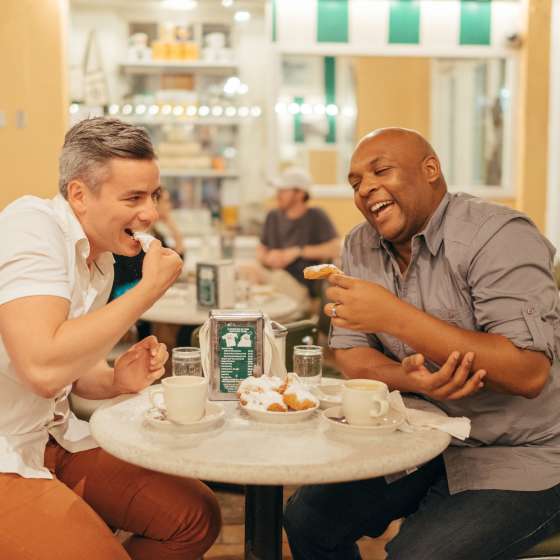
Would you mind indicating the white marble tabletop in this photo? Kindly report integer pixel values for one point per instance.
(243, 451)
(178, 306)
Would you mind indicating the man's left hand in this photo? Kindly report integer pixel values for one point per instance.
(360, 305)
(140, 365)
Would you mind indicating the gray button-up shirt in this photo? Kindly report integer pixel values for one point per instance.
(481, 267)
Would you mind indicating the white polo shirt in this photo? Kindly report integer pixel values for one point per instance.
(43, 252)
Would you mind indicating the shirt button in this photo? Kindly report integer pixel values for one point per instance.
(530, 310)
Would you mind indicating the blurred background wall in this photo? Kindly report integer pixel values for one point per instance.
(33, 96)
(34, 106)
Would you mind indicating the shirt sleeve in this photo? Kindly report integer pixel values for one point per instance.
(513, 291)
(323, 229)
(33, 258)
(345, 338)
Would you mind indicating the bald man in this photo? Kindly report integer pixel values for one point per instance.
(452, 298)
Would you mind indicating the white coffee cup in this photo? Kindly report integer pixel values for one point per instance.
(364, 401)
(184, 397)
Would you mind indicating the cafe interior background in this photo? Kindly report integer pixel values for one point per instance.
(234, 91)
(248, 87)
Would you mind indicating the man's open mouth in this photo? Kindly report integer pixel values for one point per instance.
(380, 207)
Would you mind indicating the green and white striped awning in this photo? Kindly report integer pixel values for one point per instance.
(395, 27)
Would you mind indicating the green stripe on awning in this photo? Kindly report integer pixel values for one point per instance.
(475, 22)
(330, 95)
(332, 21)
(274, 23)
(404, 22)
(298, 127)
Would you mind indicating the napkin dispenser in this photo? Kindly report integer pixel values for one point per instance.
(236, 350)
(215, 284)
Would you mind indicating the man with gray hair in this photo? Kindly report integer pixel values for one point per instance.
(60, 492)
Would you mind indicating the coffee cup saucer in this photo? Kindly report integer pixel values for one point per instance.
(329, 392)
(385, 425)
(157, 418)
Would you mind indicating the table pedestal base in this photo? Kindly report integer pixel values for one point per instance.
(263, 522)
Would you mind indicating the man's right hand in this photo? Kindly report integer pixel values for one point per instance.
(160, 269)
(451, 382)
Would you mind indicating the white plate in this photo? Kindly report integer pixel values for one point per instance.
(279, 417)
(213, 414)
(329, 392)
(387, 424)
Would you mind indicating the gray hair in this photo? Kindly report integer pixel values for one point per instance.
(92, 143)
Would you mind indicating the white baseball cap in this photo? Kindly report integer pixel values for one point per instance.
(293, 178)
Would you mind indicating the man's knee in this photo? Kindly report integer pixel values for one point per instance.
(200, 519)
(428, 546)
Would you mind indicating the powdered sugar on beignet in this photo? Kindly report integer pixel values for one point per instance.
(259, 384)
(298, 397)
(268, 400)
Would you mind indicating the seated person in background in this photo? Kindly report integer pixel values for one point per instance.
(450, 297)
(60, 492)
(296, 235)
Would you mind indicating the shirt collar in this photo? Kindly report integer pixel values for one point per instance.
(76, 235)
(432, 233)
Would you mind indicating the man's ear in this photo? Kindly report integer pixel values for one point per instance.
(78, 194)
(431, 168)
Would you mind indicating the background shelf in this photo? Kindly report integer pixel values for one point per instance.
(178, 67)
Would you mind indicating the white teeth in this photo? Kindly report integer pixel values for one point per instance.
(379, 205)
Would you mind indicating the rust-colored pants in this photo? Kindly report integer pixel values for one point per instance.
(68, 518)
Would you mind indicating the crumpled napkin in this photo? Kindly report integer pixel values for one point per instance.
(145, 239)
(417, 419)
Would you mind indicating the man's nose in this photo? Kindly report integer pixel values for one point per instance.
(367, 186)
(149, 212)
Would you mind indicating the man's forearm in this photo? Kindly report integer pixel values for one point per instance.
(508, 368)
(369, 363)
(97, 383)
(261, 254)
(78, 345)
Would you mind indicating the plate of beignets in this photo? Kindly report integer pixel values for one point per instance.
(275, 400)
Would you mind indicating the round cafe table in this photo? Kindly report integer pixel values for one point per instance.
(178, 307)
(264, 457)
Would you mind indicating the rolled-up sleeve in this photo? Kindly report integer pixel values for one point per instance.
(513, 290)
(344, 339)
